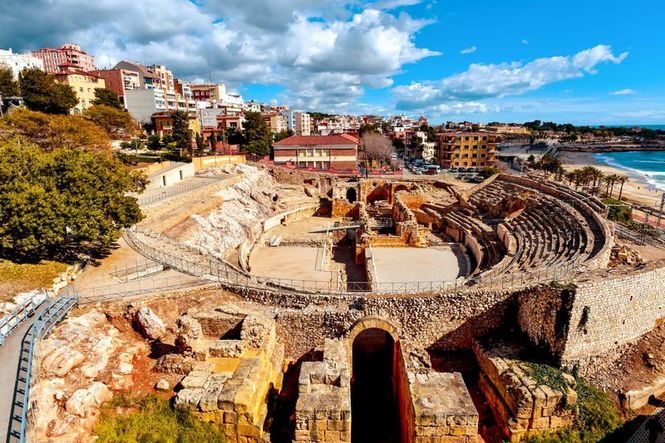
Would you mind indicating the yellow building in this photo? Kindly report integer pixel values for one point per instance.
(84, 85)
(467, 149)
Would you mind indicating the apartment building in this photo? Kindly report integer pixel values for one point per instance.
(83, 84)
(120, 81)
(19, 62)
(324, 153)
(299, 122)
(69, 55)
(467, 149)
(276, 122)
(145, 90)
(163, 122)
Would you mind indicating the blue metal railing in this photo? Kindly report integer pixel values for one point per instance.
(45, 322)
(11, 321)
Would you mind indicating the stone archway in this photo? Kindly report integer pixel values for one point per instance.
(374, 346)
(351, 195)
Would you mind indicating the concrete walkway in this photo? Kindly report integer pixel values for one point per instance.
(9, 363)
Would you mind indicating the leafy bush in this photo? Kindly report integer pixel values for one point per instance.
(151, 419)
(618, 211)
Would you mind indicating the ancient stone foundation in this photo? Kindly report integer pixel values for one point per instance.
(238, 364)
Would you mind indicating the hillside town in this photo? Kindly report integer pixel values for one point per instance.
(217, 116)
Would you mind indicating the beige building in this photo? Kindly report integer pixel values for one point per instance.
(275, 121)
(84, 85)
(467, 149)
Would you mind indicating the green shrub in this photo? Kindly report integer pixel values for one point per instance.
(152, 421)
(618, 210)
(597, 416)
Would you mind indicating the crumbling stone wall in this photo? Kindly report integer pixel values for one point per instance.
(519, 402)
(546, 331)
(582, 324)
(609, 312)
(447, 321)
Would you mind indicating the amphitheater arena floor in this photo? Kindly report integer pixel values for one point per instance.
(437, 263)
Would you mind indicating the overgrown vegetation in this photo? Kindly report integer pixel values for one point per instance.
(596, 415)
(151, 419)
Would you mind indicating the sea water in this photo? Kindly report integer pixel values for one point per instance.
(641, 166)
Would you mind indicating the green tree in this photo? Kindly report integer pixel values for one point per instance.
(213, 141)
(107, 97)
(54, 131)
(256, 134)
(182, 135)
(41, 92)
(8, 86)
(67, 198)
(154, 143)
(284, 134)
(200, 144)
(115, 122)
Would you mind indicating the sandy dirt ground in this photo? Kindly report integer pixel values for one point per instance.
(435, 264)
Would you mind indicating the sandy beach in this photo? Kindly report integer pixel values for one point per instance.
(637, 189)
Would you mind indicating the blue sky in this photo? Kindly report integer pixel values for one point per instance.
(591, 62)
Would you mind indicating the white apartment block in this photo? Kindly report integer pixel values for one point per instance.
(19, 62)
(299, 122)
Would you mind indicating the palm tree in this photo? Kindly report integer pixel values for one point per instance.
(622, 179)
(607, 180)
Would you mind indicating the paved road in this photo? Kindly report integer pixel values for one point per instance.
(9, 359)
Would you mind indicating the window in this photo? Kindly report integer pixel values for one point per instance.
(81, 89)
(475, 138)
(482, 155)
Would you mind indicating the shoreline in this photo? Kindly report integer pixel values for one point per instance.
(637, 189)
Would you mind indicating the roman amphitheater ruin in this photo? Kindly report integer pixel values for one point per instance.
(381, 310)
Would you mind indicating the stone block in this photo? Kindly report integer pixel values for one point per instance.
(302, 435)
(230, 417)
(332, 436)
(226, 348)
(195, 379)
(248, 430)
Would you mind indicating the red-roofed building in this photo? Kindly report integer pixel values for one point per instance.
(330, 152)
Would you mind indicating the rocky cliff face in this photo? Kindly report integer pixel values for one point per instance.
(78, 367)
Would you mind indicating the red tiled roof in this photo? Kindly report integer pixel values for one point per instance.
(315, 140)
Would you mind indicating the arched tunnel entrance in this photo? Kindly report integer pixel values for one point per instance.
(351, 195)
(374, 411)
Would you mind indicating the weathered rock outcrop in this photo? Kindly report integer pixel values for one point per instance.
(79, 366)
(148, 324)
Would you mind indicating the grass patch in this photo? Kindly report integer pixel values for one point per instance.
(547, 375)
(596, 418)
(151, 419)
(21, 277)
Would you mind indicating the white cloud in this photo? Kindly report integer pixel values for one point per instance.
(338, 47)
(481, 81)
(525, 42)
(470, 50)
(392, 4)
(624, 92)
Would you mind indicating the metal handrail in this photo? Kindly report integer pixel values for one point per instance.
(45, 322)
(222, 272)
(10, 322)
